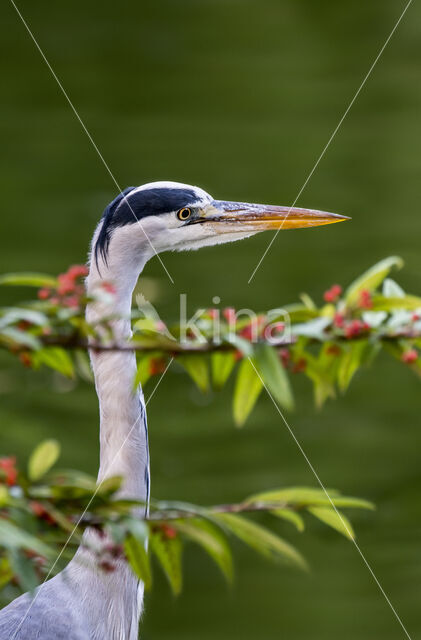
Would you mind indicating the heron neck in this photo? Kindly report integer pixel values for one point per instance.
(123, 429)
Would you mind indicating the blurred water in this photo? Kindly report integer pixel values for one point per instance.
(239, 97)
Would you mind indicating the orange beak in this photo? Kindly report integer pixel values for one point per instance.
(261, 217)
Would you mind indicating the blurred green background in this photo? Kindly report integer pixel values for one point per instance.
(238, 97)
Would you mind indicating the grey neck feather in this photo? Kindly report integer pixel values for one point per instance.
(123, 448)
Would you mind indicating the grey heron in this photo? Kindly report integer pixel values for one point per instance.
(83, 602)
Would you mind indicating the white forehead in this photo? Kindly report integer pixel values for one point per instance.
(202, 196)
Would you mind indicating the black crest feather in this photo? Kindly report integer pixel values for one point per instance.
(128, 210)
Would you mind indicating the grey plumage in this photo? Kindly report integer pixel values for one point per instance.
(51, 616)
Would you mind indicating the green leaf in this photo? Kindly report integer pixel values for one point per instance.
(28, 280)
(291, 516)
(143, 369)
(248, 387)
(371, 279)
(350, 362)
(138, 559)
(20, 337)
(334, 519)
(305, 496)
(10, 315)
(299, 313)
(315, 370)
(168, 552)
(308, 302)
(383, 303)
(267, 362)
(211, 539)
(262, 540)
(197, 367)
(6, 573)
(56, 358)
(4, 495)
(83, 365)
(24, 570)
(12, 537)
(222, 364)
(109, 485)
(43, 458)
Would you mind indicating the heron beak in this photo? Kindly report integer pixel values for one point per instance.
(261, 217)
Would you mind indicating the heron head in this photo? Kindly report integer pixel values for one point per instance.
(170, 216)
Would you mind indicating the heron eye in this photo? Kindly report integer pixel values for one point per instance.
(184, 213)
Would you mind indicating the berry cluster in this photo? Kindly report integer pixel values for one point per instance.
(69, 291)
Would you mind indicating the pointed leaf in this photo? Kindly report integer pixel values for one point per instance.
(43, 458)
(20, 337)
(334, 519)
(168, 552)
(248, 387)
(56, 358)
(197, 367)
(28, 280)
(211, 539)
(222, 365)
(304, 496)
(10, 315)
(268, 363)
(383, 303)
(291, 516)
(371, 279)
(262, 540)
(350, 362)
(138, 559)
(143, 370)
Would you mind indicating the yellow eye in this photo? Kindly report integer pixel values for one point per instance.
(184, 214)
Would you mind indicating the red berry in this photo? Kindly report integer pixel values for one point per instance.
(7, 465)
(169, 532)
(339, 320)
(72, 302)
(352, 329)
(37, 509)
(157, 365)
(247, 332)
(410, 356)
(41, 512)
(44, 293)
(332, 294)
(65, 284)
(77, 271)
(229, 314)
